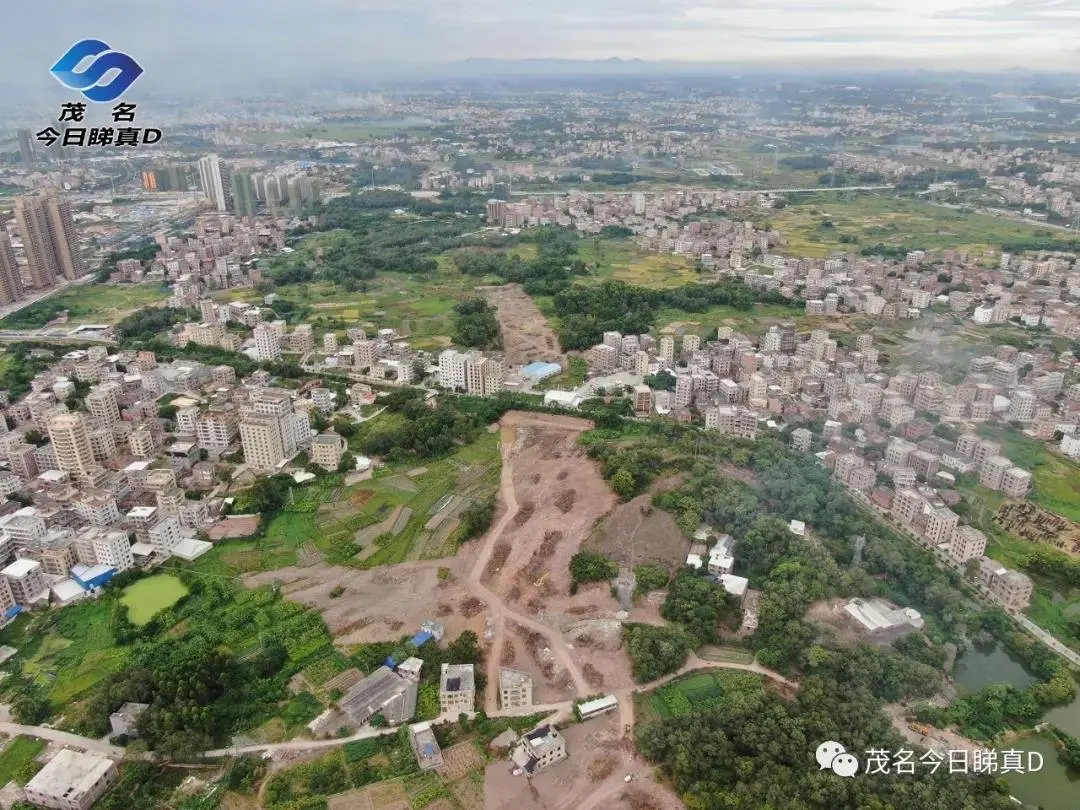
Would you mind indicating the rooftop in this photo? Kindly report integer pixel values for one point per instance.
(20, 568)
(70, 775)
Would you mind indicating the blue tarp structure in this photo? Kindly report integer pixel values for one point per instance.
(12, 611)
(419, 639)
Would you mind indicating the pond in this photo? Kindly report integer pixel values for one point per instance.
(985, 664)
(1053, 787)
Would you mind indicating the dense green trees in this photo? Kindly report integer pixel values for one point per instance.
(476, 325)
(588, 567)
(476, 518)
(422, 431)
(150, 323)
(757, 751)
(699, 605)
(655, 651)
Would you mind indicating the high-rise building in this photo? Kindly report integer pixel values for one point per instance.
(71, 443)
(243, 194)
(103, 404)
(26, 146)
(214, 176)
(261, 437)
(49, 238)
(11, 288)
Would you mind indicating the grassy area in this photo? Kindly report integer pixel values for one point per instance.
(698, 691)
(16, 759)
(88, 303)
(1054, 479)
(620, 259)
(754, 321)
(147, 597)
(66, 652)
(327, 517)
(870, 219)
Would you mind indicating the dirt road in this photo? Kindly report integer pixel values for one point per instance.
(558, 647)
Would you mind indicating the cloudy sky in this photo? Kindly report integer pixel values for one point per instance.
(217, 41)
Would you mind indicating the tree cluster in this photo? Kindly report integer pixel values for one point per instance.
(476, 325)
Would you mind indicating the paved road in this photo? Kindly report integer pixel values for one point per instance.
(1047, 639)
(63, 737)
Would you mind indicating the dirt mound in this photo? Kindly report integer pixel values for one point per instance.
(524, 512)
(601, 768)
(470, 606)
(592, 675)
(565, 502)
(498, 559)
(635, 531)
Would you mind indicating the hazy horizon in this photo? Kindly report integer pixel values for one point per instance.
(207, 47)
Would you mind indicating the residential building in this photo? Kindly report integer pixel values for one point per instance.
(267, 342)
(993, 470)
(968, 543)
(50, 239)
(72, 781)
(457, 690)
(327, 450)
(1016, 483)
(71, 443)
(27, 580)
(11, 288)
(1011, 588)
(539, 749)
(165, 535)
(425, 747)
(515, 688)
(213, 175)
(382, 692)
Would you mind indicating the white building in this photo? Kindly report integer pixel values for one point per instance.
(72, 781)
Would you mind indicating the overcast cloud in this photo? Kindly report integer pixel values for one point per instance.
(213, 43)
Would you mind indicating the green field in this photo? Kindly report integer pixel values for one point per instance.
(66, 652)
(327, 518)
(88, 303)
(1055, 480)
(620, 259)
(701, 690)
(754, 321)
(147, 597)
(871, 219)
(16, 759)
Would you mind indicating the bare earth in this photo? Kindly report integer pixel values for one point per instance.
(597, 747)
(379, 604)
(636, 532)
(525, 330)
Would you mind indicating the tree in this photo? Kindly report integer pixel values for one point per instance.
(655, 651)
(623, 484)
(30, 707)
(378, 721)
(588, 567)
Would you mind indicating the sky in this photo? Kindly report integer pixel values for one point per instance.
(197, 43)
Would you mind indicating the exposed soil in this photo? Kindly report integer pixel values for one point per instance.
(637, 532)
(591, 778)
(525, 331)
(378, 603)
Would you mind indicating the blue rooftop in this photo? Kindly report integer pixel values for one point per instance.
(540, 370)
